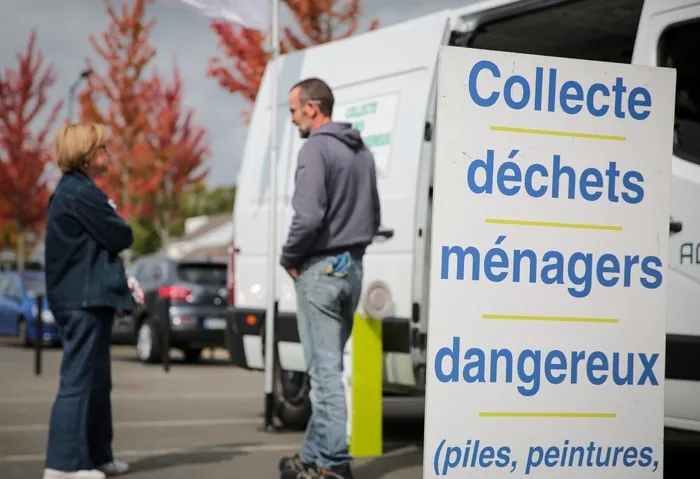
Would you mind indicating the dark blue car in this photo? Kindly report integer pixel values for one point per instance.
(18, 307)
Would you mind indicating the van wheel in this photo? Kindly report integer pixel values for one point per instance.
(192, 355)
(147, 348)
(291, 397)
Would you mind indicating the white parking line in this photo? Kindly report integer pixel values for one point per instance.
(140, 397)
(161, 452)
(144, 424)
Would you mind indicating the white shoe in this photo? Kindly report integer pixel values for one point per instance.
(85, 474)
(114, 468)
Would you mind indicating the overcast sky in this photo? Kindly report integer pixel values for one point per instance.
(63, 28)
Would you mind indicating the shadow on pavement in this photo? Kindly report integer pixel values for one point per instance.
(403, 420)
(175, 362)
(209, 455)
(384, 465)
(403, 440)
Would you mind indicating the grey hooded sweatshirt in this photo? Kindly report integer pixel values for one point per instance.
(336, 204)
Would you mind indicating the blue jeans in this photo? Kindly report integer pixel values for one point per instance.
(80, 429)
(325, 308)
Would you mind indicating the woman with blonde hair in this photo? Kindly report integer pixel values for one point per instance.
(86, 284)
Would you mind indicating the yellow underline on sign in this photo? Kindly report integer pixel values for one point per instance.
(573, 134)
(552, 224)
(595, 415)
(562, 319)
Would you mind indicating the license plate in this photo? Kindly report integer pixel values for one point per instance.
(214, 323)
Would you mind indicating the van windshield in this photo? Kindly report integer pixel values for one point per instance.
(599, 30)
(677, 49)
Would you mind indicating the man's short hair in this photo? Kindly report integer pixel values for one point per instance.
(316, 90)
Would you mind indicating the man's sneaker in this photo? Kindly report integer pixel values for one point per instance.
(333, 473)
(311, 473)
(294, 463)
(114, 468)
(86, 474)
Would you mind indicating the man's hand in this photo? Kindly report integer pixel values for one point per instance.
(292, 272)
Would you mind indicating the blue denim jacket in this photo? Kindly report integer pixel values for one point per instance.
(84, 236)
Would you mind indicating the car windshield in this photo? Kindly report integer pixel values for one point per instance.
(210, 273)
(35, 286)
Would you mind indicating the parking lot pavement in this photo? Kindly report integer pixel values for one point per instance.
(200, 421)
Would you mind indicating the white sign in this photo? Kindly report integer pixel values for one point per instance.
(374, 118)
(546, 336)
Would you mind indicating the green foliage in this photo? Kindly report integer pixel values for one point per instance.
(196, 200)
(146, 238)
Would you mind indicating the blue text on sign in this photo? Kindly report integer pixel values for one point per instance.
(532, 367)
(581, 270)
(592, 184)
(571, 97)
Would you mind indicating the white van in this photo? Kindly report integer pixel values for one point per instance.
(384, 82)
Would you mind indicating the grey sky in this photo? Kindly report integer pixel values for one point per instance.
(63, 28)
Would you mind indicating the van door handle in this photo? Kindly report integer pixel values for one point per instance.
(385, 233)
(675, 226)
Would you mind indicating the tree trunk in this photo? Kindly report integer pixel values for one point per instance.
(167, 204)
(126, 254)
(20, 251)
(125, 199)
(164, 237)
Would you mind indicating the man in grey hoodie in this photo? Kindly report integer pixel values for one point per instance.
(336, 215)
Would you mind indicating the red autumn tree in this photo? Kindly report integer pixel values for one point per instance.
(119, 98)
(24, 148)
(178, 148)
(155, 146)
(244, 52)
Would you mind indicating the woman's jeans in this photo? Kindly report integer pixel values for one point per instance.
(80, 430)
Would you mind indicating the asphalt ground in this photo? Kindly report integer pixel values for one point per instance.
(201, 420)
(204, 420)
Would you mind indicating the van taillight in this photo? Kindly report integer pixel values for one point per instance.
(175, 293)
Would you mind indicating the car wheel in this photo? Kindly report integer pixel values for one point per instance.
(22, 333)
(147, 348)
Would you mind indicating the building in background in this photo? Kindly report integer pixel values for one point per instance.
(205, 236)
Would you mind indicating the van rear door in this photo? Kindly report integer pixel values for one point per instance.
(669, 33)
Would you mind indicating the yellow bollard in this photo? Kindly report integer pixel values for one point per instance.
(366, 387)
